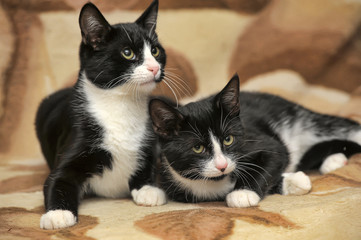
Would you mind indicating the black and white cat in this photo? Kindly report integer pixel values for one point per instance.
(94, 135)
(241, 146)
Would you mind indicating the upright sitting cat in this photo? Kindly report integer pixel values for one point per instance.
(94, 135)
(240, 146)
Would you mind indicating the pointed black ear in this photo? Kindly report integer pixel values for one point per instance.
(148, 20)
(94, 27)
(166, 120)
(228, 98)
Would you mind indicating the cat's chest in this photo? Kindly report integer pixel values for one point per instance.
(122, 121)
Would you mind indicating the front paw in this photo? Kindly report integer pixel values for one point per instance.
(55, 219)
(242, 198)
(296, 183)
(149, 196)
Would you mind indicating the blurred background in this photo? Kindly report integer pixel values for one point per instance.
(308, 51)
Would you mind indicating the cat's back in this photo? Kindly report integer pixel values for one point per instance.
(264, 101)
(256, 105)
(266, 112)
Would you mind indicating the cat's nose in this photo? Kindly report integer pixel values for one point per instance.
(222, 166)
(153, 69)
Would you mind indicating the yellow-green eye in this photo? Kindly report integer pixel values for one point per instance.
(228, 140)
(155, 51)
(198, 148)
(128, 53)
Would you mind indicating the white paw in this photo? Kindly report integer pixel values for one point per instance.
(295, 183)
(333, 162)
(149, 196)
(57, 219)
(242, 198)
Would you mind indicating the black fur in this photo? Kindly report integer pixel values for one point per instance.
(319, 152)
(256, 120)
(69, 135)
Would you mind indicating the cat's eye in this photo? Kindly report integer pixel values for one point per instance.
(198, 148)
(155, 51)
(228, 140)
(128, 53)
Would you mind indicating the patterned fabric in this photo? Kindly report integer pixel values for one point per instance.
(306, 51)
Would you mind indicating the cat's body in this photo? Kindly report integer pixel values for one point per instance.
(240, 147)
(94, 135)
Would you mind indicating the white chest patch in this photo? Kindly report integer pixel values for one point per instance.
(123, 119)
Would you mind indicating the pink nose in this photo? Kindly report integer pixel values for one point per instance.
(222, 166)
(153, 69)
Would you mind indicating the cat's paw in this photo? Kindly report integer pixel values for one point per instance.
(55, 219)
(149, 196)
(333, 162)
(296, 183)
(242, 198)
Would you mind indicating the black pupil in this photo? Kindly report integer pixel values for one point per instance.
(154, 50)
(127, 52)
(228, 138)
(197, 147)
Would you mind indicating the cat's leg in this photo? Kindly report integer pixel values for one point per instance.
(258, 177)
(296, 183)
(242, 198)
(149, 195)
(61, 202)
(142, 187)
(333, 162)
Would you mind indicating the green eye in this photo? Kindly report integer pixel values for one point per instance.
(198, 148)
(128, 53)
(228, 140)
(155, 52)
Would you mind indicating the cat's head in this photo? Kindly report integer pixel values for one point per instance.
(124, 53)
(200, 140)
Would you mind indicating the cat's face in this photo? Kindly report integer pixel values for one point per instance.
(200, 140)
(129, 53)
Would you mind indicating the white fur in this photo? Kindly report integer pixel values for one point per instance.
(301, 136)
(333, 162)
(298, 141)
(242, 198)
(202, 189)
(149, 196)
(210, 169)
(55, 219)
(122, 112)
(296, 183)
(356, 137)
(141, 73)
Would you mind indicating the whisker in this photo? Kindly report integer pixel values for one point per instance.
(172, 92)
(127, 34)
(247, 167)
(178, 86)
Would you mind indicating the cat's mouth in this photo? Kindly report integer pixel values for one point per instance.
(217, 178)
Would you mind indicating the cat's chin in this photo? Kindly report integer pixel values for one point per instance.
(147, 86)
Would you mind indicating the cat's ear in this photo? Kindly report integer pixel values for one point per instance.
(228, 98)
(166, 120)
(94, 27)
(148, 20)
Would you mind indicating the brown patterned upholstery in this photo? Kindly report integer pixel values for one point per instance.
(307, 51)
